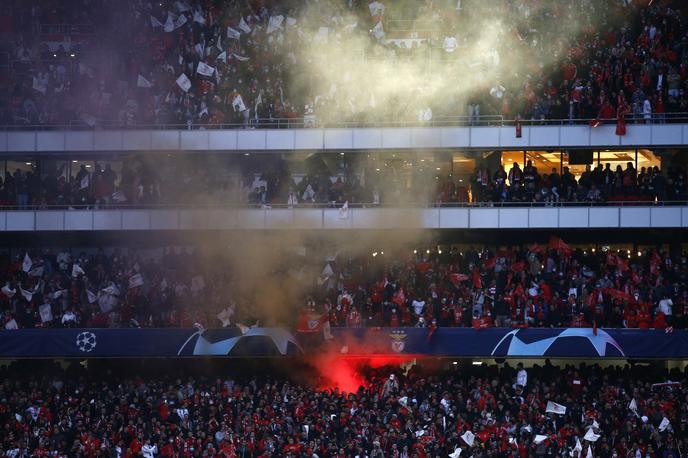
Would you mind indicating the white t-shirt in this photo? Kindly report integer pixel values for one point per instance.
(665, 306)
(522, 377)
(417, 306)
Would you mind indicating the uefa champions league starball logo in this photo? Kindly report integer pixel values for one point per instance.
(86, 341)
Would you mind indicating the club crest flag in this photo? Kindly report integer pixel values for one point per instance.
(205, 69)
(553, 407)
(184, 82)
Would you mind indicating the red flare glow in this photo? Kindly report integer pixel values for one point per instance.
(345, 372)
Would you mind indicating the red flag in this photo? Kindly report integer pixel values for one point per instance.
(490, 263)
(518, 266)
(458, 278)
(477, 282)
(399, 297)
(431, 331)
(558, 244)
(310, 322)
(535, 249)
(423, 267)
(655, 261)
(617, 294)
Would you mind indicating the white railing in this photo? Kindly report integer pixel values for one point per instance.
(385, 218)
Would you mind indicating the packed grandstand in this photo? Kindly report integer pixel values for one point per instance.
(145, 183)
(209, 63)
(548, 285)
(498, 268)
(506, 411)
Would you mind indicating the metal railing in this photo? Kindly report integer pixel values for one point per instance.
(316, 123)
(337, 205)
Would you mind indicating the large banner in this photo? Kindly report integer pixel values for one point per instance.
(503, 342)
(458, 342)
(125, 343)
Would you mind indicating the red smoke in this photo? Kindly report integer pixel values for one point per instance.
(345, 372)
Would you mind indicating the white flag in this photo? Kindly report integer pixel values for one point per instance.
(243, 26)
(135, 281)
(589, 454)
(225, 316)
(238, 103)
(143, 82)
(155, 22)
(26, 264)
(468, 437)
(28, 295)
(664, 424)
(578, 448)
(222, 56)
(184, 82)
(7, 291)
(327, 271)
(182, 7)
(344, 211)
(274, 23)
(59, 293)
(37, 270)
(456, 454)
(591, 436)
(291, 21)
(169, 23)
(539, 438)
(633, 406)
(555, 408)
(181, 20)
(378, 32)
(92, 297)
(403, 401)
(198, 17)
(238, 57)
(11, 325)
(180, 60)
(77, 270)
(233, 34)
(46, 313)
(205, 69)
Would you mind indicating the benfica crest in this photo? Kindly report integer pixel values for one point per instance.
(397, 339)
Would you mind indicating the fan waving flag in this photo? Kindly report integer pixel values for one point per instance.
(553, 407)
(555, 243)
(205, 69)
(184, 82)
(344, 211)
(26, 264)
(458, 278)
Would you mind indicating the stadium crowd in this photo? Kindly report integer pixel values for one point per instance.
(201, 62)
(480, 412)
(146, 183)
(523, 286)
